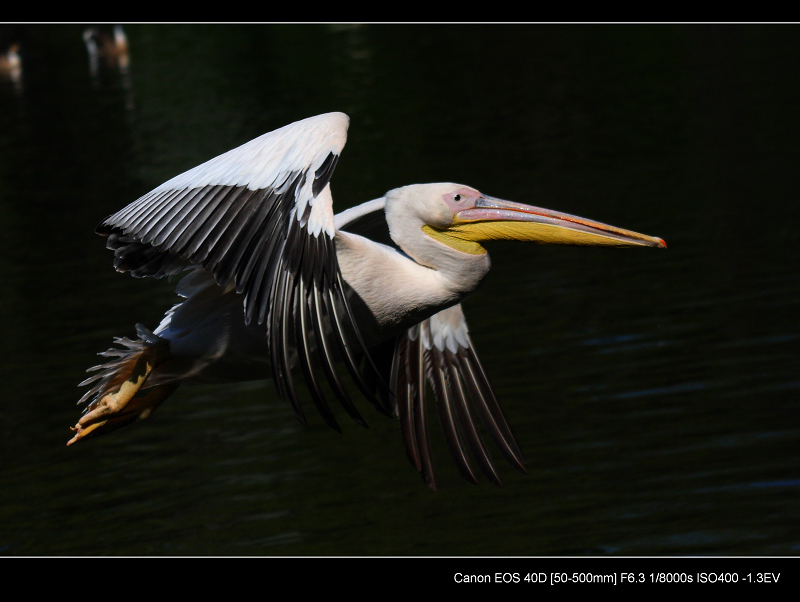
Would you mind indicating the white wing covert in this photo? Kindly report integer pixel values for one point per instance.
(260, 218)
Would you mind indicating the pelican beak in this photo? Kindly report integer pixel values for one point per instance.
(495, 219)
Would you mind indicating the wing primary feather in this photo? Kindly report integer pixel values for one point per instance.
(398, 383)
(229, 262)
(444, 405)
(340, 287)
(332, 309)
(489, 409)
(323, 346)
(301, 336)
(159, 265)
(255, 290)
(273, 346)
(279, 344)
(209, 250)
(401, 386)
(323, 175)
(479, 451)
(219, 205)
(173, 209)
(150, 220)
(125, 216)
(186, 207)
(395, 377)
(294, 246)
(311, 257)
(285, 317)
(255, 267)
(132, 256)
(416, 375)
(260, 293)
(409, 383)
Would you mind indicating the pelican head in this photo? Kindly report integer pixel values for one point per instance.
(462, 218)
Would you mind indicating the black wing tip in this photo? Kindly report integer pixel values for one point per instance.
(105, 228)
(460, 387)
(323, 174)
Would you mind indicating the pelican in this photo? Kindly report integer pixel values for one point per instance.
(113, 49)
(11, 64)
(277, 286)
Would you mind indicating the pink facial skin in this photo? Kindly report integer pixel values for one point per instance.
(461, 199)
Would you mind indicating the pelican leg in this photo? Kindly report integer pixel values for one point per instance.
(119, 406)
(138, 408)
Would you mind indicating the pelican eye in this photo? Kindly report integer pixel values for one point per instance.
(457, 198)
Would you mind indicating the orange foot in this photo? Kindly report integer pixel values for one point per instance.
(104, 418)
(118, 405)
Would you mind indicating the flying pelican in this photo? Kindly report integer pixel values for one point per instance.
(279, 284)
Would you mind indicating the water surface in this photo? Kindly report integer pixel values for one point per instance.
(654, 393)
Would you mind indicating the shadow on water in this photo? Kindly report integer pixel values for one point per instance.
(655, 394)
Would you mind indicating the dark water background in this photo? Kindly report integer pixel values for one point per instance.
(655, 394)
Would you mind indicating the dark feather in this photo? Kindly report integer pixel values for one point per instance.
(323, 175)
(408, 383)
(447, 419)
(458, 382)
(302, 331)
(289, 278)
(458, 395)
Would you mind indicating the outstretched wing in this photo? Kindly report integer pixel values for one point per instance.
(260, 218)
(438, 352)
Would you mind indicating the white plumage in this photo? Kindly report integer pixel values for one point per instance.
(278, 285)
